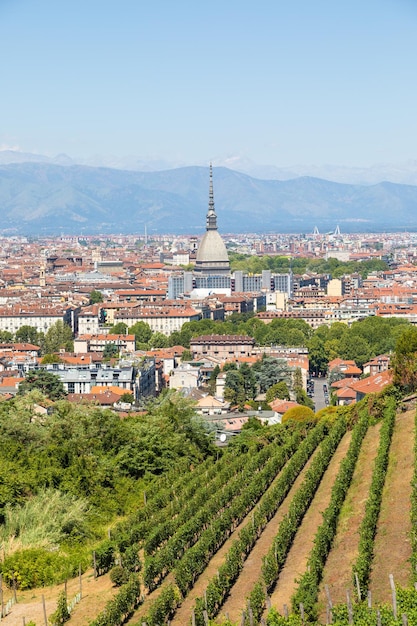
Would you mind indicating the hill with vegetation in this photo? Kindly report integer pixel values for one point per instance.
(284, 520)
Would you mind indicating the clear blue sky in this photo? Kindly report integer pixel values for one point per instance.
(281, 82)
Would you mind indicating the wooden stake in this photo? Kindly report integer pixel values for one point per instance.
(250, 612)
(144, 498)
(358, 587)
(394, 595)
(285, 611)
(80, 580)
(349, 607)
(268, 602)
(94, 565)
(302, 612)
(242, 621)
(405, 620)
(206, 619)
(193, 618)
(369, 599)
(328, 596)
(378, 617)
(45, 619)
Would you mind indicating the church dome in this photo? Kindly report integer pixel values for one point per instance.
(212, 249)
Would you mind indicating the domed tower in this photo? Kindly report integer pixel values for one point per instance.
(211, 254)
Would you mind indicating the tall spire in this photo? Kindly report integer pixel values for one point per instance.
(211, 220)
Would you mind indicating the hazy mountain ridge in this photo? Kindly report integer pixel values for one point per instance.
(402, 173)
(39, 197)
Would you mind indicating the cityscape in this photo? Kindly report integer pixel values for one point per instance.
(208, 313)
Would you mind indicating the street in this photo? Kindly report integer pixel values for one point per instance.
(319, 397)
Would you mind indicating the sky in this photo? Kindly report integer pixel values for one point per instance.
(279, 82)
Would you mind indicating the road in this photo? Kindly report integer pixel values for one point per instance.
(318, 397)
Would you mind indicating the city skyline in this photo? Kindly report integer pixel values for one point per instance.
(278, 83)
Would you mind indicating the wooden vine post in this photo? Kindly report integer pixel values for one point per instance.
(358, 587)
(329, 604)
(349, 607)
(45, 618)
(394, 595)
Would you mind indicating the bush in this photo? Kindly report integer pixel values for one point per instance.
(119, 576)
(299, 414)
(38, 568)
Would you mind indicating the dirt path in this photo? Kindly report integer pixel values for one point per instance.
(183, 615)
(95, 595)
(252, 568)
(392, 546)
(338, 569)
(297, 558)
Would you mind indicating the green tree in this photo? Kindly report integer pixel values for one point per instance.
(317, 354)
(159, 340)
(213, 379)
(5, 336)
(27, 334)
(355, 348)
(58, 336)
(49, 359)
(127, 398)
(49, 384)
(279, 390)
(248, 381)
(96, 296)
(111, 351)
(268, 371)
(301, 396)
(118, 329)
(234, 387)
(405, 361)
(142, 332)
(187, 355)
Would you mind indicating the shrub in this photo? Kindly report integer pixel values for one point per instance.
(299, 414)
(38, 568)
(119, 576)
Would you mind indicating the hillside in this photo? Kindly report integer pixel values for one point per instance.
(321, 459)
(46, 198)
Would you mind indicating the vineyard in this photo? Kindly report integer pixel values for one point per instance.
(312, 524)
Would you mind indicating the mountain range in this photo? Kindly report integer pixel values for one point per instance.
(44, 197)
